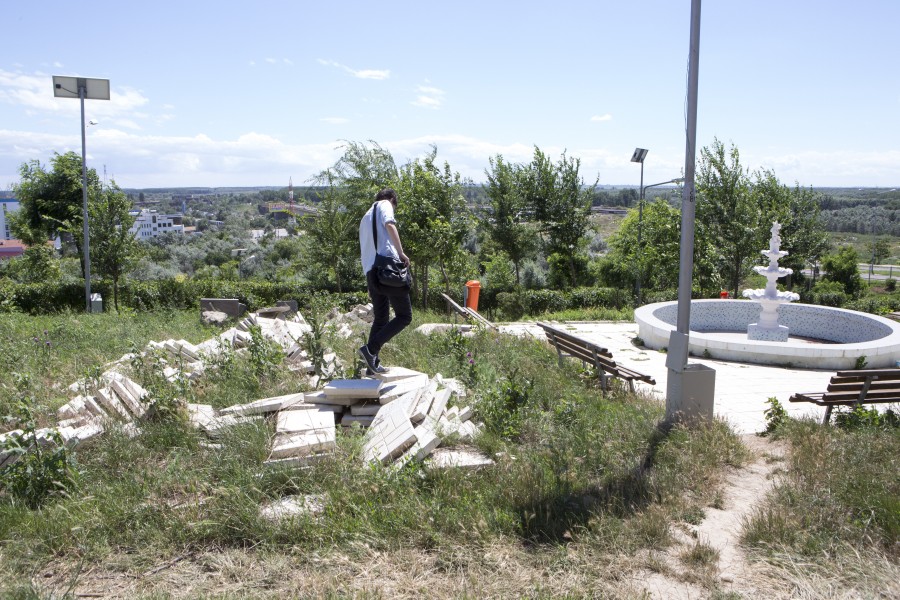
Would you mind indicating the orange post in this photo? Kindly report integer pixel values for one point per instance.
(473, 288)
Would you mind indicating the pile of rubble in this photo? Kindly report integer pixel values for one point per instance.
(405, 413)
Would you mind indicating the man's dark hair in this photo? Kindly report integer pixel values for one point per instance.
(387, 194)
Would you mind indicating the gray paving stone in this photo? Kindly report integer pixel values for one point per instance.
(395, 389)
(320, 398)
(349, 419)
(365, 410)
(420, 411)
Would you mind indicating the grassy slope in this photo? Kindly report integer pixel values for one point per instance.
(577, 474)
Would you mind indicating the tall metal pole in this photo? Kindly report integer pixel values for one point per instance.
(688, 200)
(82, 91)
(640, 227)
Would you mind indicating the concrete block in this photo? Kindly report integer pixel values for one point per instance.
(392, 391)
(390, 434)
(467, 431)
(94, 407)
(86, 432)
(364, 421)
(201, 415)
(299, 421)
(466, 413)
(230, 306)
(265, 405)
(72, 409)
(365, 410)
(420, 411)
(353, 388)
(321, 398)
(459, 457)
(397, 373)
(301, 444)
(426, 442)
(109, 401)
(454, 385)
(293, 506)
(438, 405)
(452, 413)
(131, 402)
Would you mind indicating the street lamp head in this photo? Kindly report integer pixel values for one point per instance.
(639, 155)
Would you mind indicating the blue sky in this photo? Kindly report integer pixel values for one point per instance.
(253, 93)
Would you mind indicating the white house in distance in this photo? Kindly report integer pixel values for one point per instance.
(7, 205)
(150, 224)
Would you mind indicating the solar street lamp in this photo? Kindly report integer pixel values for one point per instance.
(91, 89)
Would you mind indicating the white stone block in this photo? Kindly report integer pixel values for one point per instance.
(109, 401)
(420, 411)
(465, 413)
(299, 421)
(390, 434)
(302, 444)
(392, 391)
(365, 410)
(265, 405)
(321, 399)
(353, 388)
(396, 373)
(426, 442)
(459, 457)
(364, 421)
(438, 405)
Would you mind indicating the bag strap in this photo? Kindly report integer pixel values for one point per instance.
(375, 226)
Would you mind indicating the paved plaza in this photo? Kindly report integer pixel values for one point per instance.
(741, 389)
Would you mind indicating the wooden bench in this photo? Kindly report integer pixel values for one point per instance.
(467, 313)
(851, 388)
(568, 345)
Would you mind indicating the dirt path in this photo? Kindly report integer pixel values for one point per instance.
(677, 578)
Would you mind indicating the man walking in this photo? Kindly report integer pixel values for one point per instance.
(383, 297)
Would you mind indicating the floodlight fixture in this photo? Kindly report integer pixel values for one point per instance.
(92, 89)
(639, 155)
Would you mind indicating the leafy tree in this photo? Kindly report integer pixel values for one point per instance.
(346, 190)
(507, 220)
(114, 249)
(842, 268)
(433, 218)
(559, 200)
(51, 202)
(727, 214)
(881, 250)
(802, 228)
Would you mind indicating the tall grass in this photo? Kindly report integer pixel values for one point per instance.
(580, 467)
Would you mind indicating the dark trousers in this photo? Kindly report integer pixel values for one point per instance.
(383, 299)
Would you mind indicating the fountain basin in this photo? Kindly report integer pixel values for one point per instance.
(821, 337)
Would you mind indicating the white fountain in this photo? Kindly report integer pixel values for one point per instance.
(767, 328)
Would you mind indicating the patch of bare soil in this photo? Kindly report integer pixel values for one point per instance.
(708, 557)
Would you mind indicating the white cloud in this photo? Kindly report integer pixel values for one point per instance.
(271, 61)
(601, 118)
(288, 62)
(377, 74)
(429, 97)
(335, 120)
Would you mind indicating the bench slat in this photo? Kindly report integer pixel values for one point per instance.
(861, 374)
(857, 386)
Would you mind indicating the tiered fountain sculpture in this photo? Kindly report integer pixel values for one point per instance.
(767, 328)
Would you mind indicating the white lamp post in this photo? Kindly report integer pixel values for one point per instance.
(94, 89)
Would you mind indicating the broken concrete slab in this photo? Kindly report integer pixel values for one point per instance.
(420, 410)
(353, 388)
(321, 398)
(426, 442)
(230, 306)
(390, 434)
(293, 506)
(301, 444)
(466, 413)
(364, 421)
(441, 397)
(265, 405)
(108, 400)
(299, 421)
(395, 373)
(393, 390)
(460, 457)
(365, 410)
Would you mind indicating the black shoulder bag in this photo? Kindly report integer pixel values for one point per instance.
(390, 271)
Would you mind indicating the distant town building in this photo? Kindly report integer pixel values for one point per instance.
(7, 206)
(278, 233)
(150, 224)
(10, 248)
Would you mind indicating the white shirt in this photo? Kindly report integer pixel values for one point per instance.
(385, 212)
